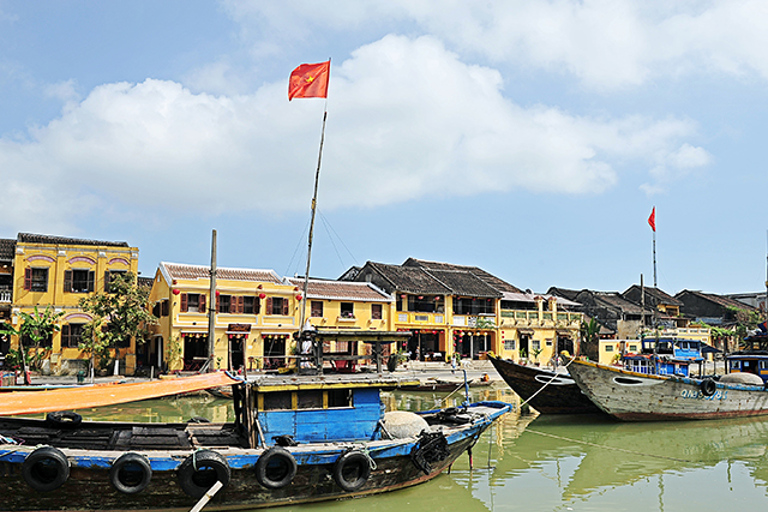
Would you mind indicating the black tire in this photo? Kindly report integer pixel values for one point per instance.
(201, 470)
(64, 419)
(45, 469)
(276, 468)
(130, 473)
(708, 387)
(352, 470)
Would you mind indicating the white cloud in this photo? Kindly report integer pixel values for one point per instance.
(607, 44)
(407, 119)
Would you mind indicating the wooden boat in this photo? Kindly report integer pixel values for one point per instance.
(546, 391)
(634, 396)
(295, 439)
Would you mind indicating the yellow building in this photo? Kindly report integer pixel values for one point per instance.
(58, 272)
(534, 328)
(464, 310)
(256, 314)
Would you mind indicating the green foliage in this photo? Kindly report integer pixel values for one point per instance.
(118, 316)
(589, 332)
(36, 327)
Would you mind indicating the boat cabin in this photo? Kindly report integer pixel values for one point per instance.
(664, 356)
(332, 408)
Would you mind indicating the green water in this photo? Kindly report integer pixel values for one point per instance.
(580, 463)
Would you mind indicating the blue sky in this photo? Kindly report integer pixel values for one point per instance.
(531, 139)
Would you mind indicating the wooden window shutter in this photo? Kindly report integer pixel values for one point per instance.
(67, 280)
(232, 304)
(218, 304)
(201, 309)
(91, 280)
(183, 302)
(240, 302)
(269, 306)
(256, 306)
(106, 281)
(285, 307)
(65, 335)
(27, 278)
(164, 309)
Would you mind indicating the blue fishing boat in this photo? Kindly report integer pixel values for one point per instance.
(295, 439)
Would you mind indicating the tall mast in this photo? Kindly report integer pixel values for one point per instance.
(212, 308)
(303, 303)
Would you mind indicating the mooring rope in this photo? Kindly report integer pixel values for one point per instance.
(633, 452)
(551, 380)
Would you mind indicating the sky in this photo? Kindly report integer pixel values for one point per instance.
(531, 139)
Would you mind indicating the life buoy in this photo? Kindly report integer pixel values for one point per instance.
(64, 419)
(201, 470)
(45, 469)
(130, 473)
(708, 387)
(352, 470)
(276, 468)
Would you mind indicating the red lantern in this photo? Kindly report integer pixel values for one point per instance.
(262, 295)
(176, 291)
(295, 288)
(298, 297)
(217, 293)
(260, 287)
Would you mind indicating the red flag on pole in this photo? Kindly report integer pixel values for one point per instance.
(309, 81)
(652, 219)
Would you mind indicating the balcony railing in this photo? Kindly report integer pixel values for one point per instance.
(6, 296)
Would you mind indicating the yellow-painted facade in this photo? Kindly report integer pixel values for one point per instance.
(254, 338)
(58, 273)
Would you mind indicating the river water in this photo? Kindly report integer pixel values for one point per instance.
(539, 463)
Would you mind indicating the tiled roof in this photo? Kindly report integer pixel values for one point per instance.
(660, 296)
(721, 300)
(435, 266)
(179, 271)
(338, 290)
(465, 283)
(410, 279)
(7, 249)
(60, 240)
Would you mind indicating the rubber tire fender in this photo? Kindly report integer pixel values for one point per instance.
(124, 462)
(356, 462)
(198, 472)
(708, 387)
(272, 456)
(64, 419)
(45, 469)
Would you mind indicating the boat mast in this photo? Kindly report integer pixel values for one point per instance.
(303, 303)
(212, 309)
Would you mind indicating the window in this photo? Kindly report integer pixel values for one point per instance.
(110, 276)
(224, 302)
(376, 311)
(79, 280)
(509, 344)
(347, 310)
(535, 345)
(36, 279)
(316, 308)
(192, 303)
(609, 348)
(72, 335)
(251, 305)
(160, 308)
(473, 306)
(277, 306)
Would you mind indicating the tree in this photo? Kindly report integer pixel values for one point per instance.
(35, 327)
(589, 333)
(119, 315)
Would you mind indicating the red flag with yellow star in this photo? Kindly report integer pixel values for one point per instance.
(309, 81)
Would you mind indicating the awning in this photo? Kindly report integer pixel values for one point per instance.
(706, 349)
(528, 332)
(99, 395)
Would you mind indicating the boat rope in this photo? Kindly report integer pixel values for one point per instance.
(551, 380)
(371, 462)
(633, 452)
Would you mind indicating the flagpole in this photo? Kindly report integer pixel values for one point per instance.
(654, 259)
